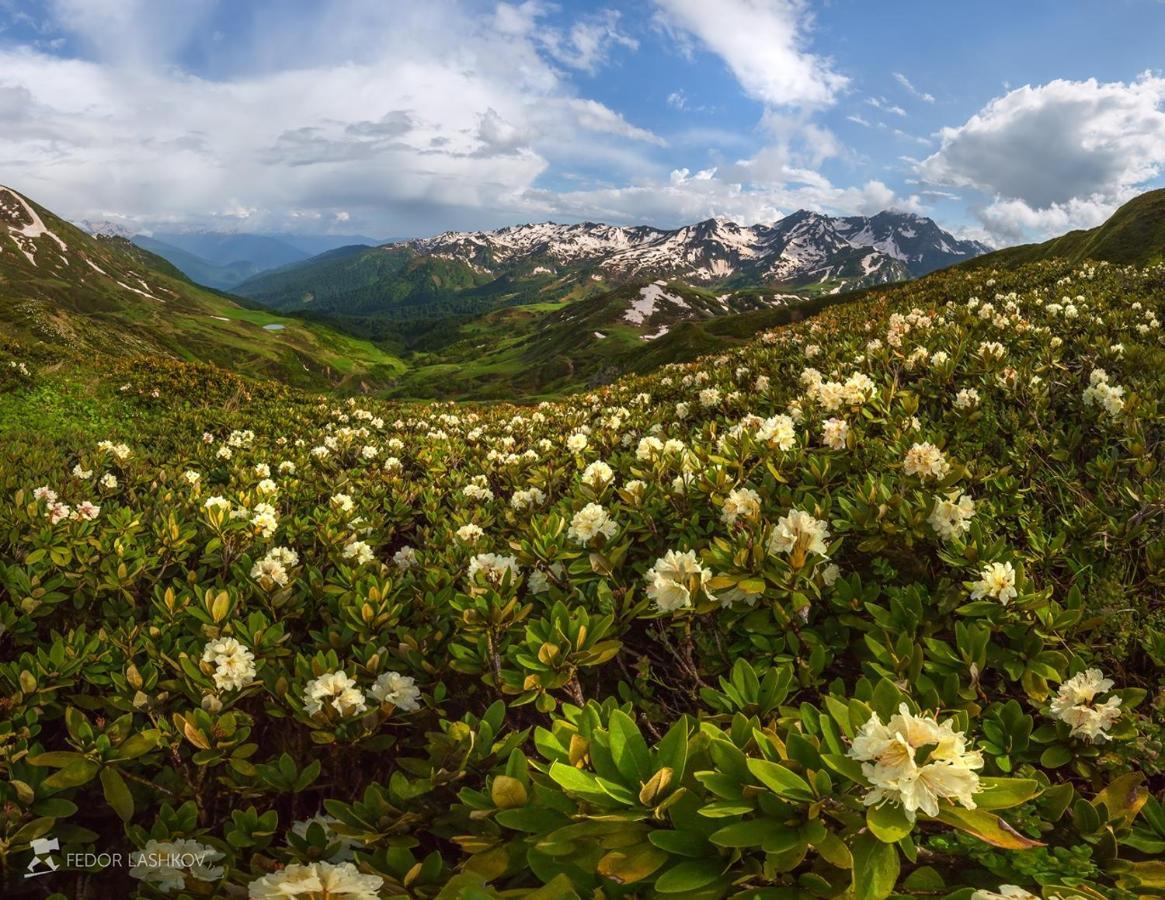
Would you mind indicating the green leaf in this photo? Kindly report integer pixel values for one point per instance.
(845, 766)
(875, 868)
(559, 887)
(1123, 798)
(754, 833)
(779, 780)
(680, 843)
(688, 876)
(117, 793)
(74, 774)
(58, 759)
(632, 864)
(629, 750)
(507, 792)
(986, 827)
(672, 751)
(1055, 756)
(1004, 793)
(137, 744)
(576, 781)
(888, 822)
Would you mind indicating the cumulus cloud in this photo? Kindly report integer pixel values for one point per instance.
(755, 190)
(408, 118)
(762, 42)
(1056, 156)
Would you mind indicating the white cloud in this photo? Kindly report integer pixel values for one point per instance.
(408, 118)
(589, 41)
(1057, 156)
(912, 90)
(761, 189)
(885, 105)
(858, 120)
(763, 44)
(1013, 221)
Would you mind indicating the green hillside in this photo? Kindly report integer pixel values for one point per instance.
(63, 291)
(546, 349)
(1134, 234)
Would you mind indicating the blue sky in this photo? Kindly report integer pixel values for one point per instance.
(1003, 121)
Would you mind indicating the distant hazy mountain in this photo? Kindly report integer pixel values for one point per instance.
(805, 253)
(221, 259)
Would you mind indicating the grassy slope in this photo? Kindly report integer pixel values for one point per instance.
(59, 303)
(1135, 233)
(548, 349)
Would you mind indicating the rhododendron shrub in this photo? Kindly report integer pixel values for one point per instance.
(869, 606)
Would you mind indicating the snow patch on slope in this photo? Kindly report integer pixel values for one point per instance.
(16, 209)
(643, 306)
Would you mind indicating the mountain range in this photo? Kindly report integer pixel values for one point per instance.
(467, 273)
(527, 311)
(802, 247)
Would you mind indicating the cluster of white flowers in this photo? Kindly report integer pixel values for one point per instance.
(926, 461)
(951, 516)
(234, 664)
(990, 350)
(335, 689)
(741, 503)
(399, 690)
(778, 431)
(889, 754)
(832, 395)
(315, 881)
(591, 522)
(1008, 892)
(798, 534)
(470, 533)
(527, 498)
(358, 552)
(166, 865)
(598, 475)
(1100, 392)
(481, 493)
(56, 511)
(835, 433)
(405, 558)
(675, 578)
(996, 580)
(264, 519)
(1075, 704)
(271, 570)
(967, 398)
(120, 451)
(492, 567)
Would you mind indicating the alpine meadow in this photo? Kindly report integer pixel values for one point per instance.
(733, 471)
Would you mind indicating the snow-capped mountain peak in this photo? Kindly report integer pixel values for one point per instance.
(805, 246)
